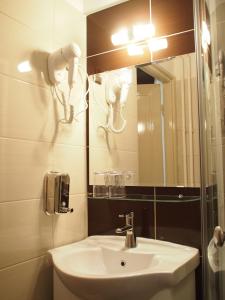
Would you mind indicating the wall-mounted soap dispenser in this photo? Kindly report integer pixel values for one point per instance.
(57, 193)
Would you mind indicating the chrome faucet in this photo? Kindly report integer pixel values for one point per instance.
(130, 241)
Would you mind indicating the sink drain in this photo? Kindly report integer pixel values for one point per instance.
(123, 263)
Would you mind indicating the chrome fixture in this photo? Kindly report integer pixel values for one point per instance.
(57, 193)
(130, 241)
(218, 236)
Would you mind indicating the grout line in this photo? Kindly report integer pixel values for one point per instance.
(38, 199)
(40, 141)
(19, 200)
(79, 195)
(46, 87)
(106, 149)
(23, 262)
(17, 21)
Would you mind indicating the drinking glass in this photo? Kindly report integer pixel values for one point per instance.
(116, 184)
(101, 185)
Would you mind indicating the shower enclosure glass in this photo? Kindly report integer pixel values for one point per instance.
(210, 43)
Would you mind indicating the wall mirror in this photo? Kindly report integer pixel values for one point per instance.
(143, 114)
(143, 119)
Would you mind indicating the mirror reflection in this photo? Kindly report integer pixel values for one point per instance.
(143, 120)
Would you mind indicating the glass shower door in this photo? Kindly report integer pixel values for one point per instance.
(210, 43)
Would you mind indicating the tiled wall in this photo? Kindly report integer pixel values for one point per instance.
(171, 20)
(150, 156)
(159, 213)
(32, 142)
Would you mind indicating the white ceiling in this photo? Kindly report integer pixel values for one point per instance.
(90, 6)
(78, 4)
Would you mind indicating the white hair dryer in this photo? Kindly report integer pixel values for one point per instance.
(66, 57)
(123, 82)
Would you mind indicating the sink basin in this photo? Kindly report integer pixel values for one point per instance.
(99, 267)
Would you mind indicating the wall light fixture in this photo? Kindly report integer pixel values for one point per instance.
(121, 37)
(134, 49)
(143, 31)
(157, 44)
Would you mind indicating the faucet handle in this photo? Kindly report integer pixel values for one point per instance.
(129, 217)
(128, 214)
(121, 216)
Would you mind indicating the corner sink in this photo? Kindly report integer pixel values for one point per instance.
(99, 267)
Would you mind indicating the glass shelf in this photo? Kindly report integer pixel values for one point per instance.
(151, 198)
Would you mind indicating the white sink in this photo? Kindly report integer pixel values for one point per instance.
(99, 267)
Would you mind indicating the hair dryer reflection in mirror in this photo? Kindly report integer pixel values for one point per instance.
(63, 63)
(117, 85)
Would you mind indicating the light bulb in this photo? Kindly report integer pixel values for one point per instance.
(143, 31)
(121, 37)
(135, 50)
(157, 44)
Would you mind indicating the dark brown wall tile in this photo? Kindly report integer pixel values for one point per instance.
(103, 216)
(101, 25)
(185, 191)
(177, 45)
(172, 16)
(140, 190)
(169, 17)
(179, 222)
(116, 60)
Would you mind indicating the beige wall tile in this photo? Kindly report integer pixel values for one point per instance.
(150, 137)
(73, 134)
(23, 104)
(26, 231)
(69, 25)
(36, 14)
(72, 160)
(71, 227)
(23, 44)
(31, 280)
(32, 142)
(23, 166)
